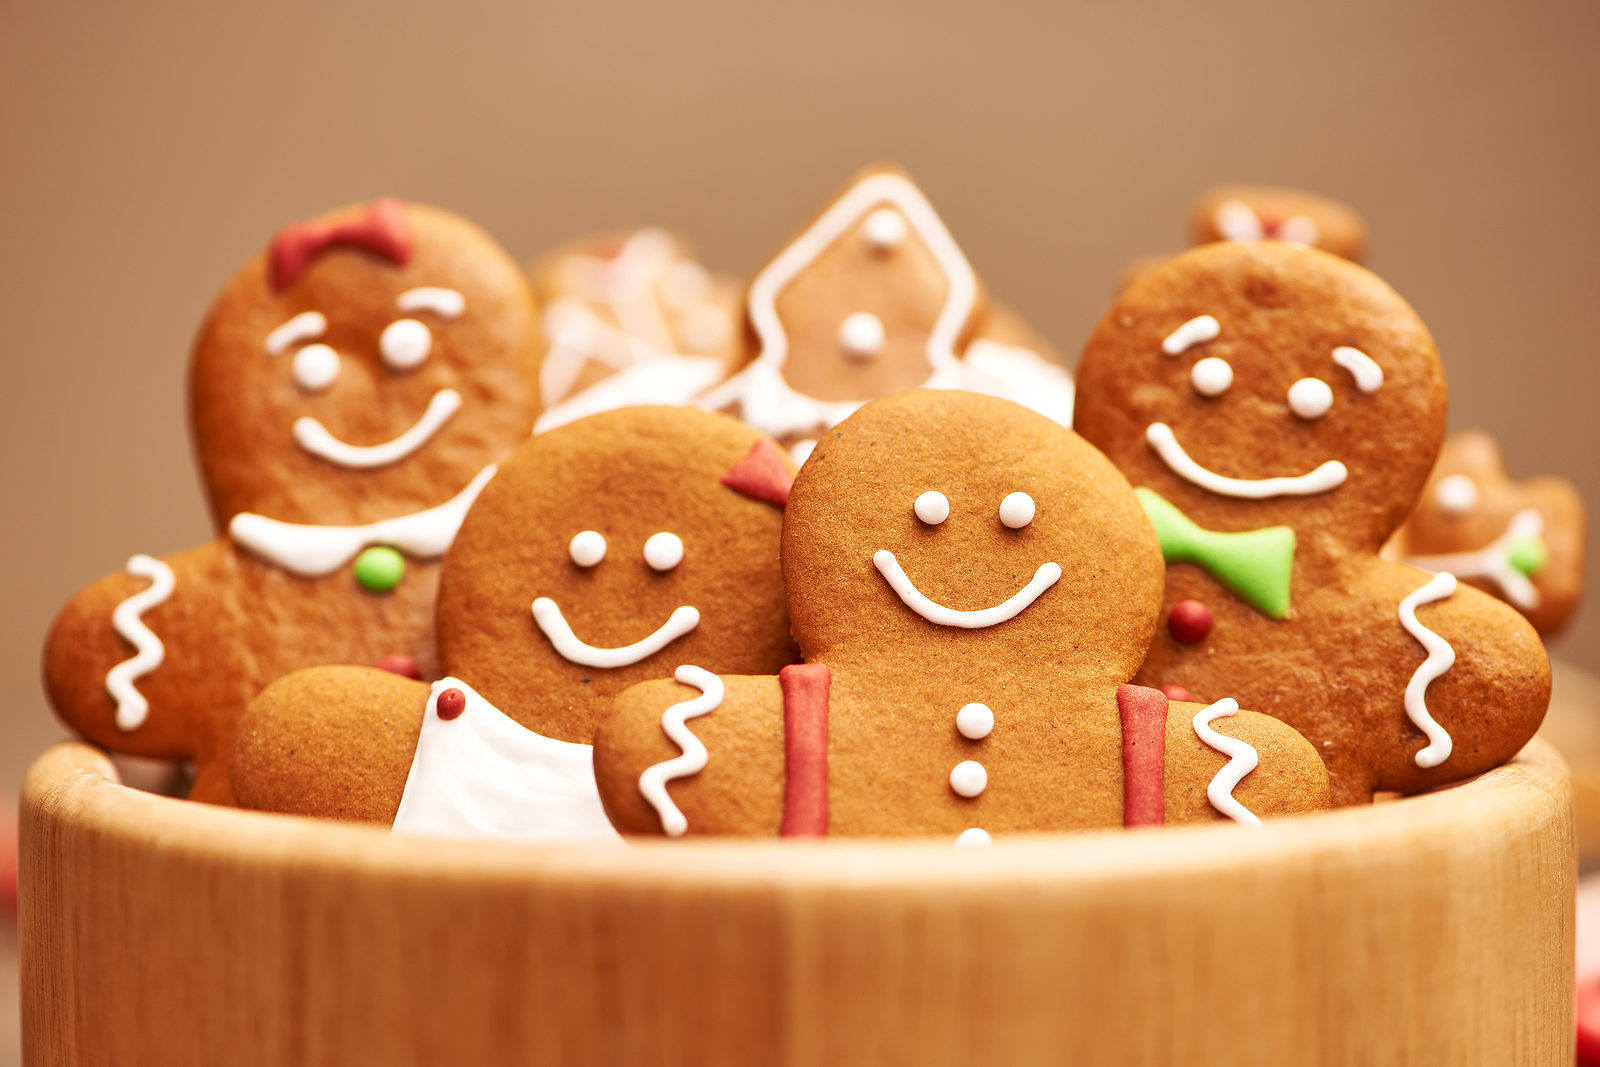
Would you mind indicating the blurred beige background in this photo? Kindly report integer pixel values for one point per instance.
(148, 149)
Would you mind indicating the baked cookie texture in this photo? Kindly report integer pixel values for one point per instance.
(1279, 409)
(1260, 212)
(874, 297)
(1523, 542)
(632, 318)
(351, 388)
(943, 549)
(594, 537)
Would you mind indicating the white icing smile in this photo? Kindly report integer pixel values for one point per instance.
(314, 437)
(567, 644)
(1047, 575)
(1329, 475)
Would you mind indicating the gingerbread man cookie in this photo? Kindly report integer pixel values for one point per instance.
(1523, 542)
(351, 389)
(631, 318)
(1278, 410)
(1256, 213)
(605, 552)
(872, 298)
(971, 585)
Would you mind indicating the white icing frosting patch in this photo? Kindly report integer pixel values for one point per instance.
(1047, 575)
(1329, 475)
(569, 647)
(973, 837)
(662, 378)
(1493, 561)
(312, 551)
(1242, 759)
(1196, 331)
(1441, 657)
(314, 437)
(1366, 372)
(1019, 375)
(302, 327)
(126, 619)
(445, 303)
(653, 782)
(484, 776)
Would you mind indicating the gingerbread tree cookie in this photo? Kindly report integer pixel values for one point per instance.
(872, 298)
(1523, 542)
(605, 552)
(971, 585)
(1278, 410)
(351, 389)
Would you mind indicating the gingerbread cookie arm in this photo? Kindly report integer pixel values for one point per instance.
(1288, 776)
(741, 788)
(335, 742)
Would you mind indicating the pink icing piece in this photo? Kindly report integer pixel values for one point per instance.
(761, 475)
(381, 229)
(1144, 754)
(805, 742)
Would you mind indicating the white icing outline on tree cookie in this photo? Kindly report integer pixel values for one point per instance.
(653, 782)
(127, 619)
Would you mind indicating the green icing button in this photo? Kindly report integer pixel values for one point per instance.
(379, 569)
(1528, 555)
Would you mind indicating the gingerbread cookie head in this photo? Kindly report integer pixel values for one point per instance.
(1256, 213)
(931, 518)
(632, 318)
(611, 550)
(1265, 384)
(1520, 541)
(369, 363)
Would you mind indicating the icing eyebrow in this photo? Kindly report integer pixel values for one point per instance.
(1368, 375)
(446, 303)
(302, 327)
(1196, 331)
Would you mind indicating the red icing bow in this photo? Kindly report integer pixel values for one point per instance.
(381, 228)
(762, 474)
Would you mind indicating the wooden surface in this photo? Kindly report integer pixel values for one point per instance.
(1434, 930)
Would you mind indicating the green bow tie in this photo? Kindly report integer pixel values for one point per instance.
(1255, 566)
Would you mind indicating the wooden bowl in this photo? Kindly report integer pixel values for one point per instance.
(1433, 930)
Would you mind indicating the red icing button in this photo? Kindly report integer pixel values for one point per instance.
(401, 664)
(1178, 692)
(451, 703)
(1189, 621)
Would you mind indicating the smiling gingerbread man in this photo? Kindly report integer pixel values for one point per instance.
(971, 585)
(351, 389)
(1278, 410)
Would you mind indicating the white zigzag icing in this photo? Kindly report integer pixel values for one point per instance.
(1441, 657)
(1242, 759)
(653, 782)
(132, 707)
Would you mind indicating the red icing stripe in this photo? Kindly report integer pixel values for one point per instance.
(762, 474)
(382, 228)
(1144, 754)
(805, 746)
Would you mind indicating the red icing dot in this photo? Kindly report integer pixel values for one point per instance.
(401, 664)
(1178, 692)
(451, 703)
(1189, 621)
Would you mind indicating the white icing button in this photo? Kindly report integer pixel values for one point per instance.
(932, 507)
(663, 551)
(861, 335)
(1310, 398)
(1198, 330)
(1456, 494)
(968, 778)
(973, 837)
(587, 548)
(975, 721)
(315, 368)
(801, 451)
(885, 228)
(1211, 376)
(405, 343)
(1016, 510)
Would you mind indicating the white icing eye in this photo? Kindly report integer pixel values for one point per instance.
(1211, 376)
(975, 721)
(968, 778)
(1016, 510)
(315, 368)
(932, 507)
(587, 548)
(1310, 398)
(884, 229)
(1196, 331)
(1456, 494)
(663, 551)
(1299, 230)
(405, 343)
(861, 335)
(1236, 222)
